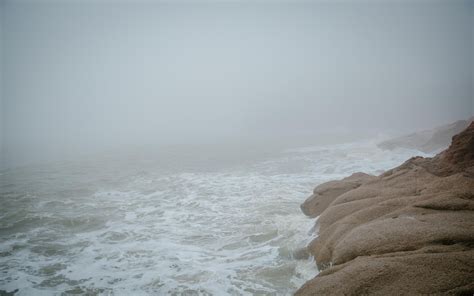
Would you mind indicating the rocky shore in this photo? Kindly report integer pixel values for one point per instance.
(409, 231)
(428, 141)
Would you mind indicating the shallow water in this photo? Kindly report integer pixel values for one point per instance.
(115, 229)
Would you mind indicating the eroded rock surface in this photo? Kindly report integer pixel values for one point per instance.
(325, 193)
(407, 231)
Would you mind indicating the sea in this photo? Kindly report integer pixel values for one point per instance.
(132, 226)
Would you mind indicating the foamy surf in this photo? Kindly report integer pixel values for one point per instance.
(228, 231)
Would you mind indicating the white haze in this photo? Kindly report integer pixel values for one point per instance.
(164, 148)
(82, 77)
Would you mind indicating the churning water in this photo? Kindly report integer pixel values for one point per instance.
(142, 229)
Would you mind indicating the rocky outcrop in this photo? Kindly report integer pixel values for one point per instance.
(325, 193)
(407, 231)
(427, 141)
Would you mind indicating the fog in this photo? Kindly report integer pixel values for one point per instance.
(81, 77)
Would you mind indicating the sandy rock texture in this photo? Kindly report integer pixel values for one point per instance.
(428, 141)
(325, 193)
(409, 231)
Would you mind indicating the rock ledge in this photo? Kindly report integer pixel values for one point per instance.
(407, 231)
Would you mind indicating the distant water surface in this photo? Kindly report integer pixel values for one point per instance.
(137, 228)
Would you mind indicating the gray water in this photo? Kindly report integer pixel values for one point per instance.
(111, 227)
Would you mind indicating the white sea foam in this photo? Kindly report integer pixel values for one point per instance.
(228, 231)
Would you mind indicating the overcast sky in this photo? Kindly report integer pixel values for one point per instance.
(89, 75)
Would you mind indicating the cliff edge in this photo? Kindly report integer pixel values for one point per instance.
(408, 231)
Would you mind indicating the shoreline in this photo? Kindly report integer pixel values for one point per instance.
(409, 230)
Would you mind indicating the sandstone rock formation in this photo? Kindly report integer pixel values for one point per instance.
(428, 141)
(409, 231)
(325, 193)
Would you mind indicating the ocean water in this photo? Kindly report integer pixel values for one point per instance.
(112, 228)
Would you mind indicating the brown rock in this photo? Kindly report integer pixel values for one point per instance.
(408, 231)
(428, 271)
(325, 193)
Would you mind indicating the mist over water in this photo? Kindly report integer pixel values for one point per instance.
(93, 228)
(158, 147)
(85, 77)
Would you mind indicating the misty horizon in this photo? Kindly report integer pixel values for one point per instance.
(86, 77)
(236, 147)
